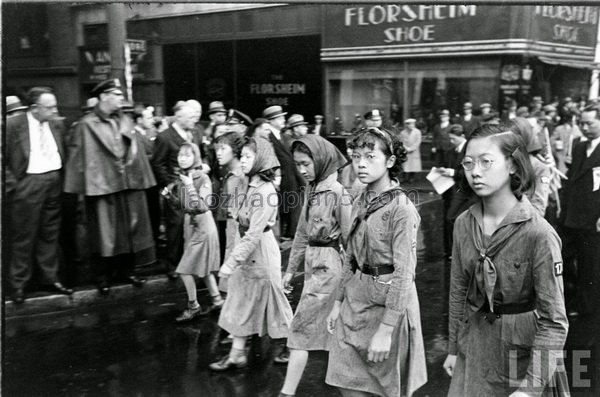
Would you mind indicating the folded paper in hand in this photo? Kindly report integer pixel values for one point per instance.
(439, 182)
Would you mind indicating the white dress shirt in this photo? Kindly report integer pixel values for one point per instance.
(591, 146)
(182, 133)
(43, 151)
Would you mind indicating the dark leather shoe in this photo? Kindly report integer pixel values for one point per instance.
(172, 276)
(136, 281)
(283, 357)
(61, 289)
(103, 288)
(18, 296)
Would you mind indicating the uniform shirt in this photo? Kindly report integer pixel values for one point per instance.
(528, 269)
(387, 236)
(328, 219)
(39, 162)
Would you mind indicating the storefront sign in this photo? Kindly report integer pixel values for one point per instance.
(406, 30)
(277, 91)
(95, 63)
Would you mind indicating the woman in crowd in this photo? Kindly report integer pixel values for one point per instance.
(201, 243)
(507, 320)
(378, 344)
(255, 302)
(323, 226)
(540, 188)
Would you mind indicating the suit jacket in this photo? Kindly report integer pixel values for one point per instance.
(322, 132)
(166, 147)
(291, 180)
(441, 140)
(581, 207)
(96, 166)
(18, 147)
(469, 126)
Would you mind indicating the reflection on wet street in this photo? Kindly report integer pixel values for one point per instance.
(136, 349)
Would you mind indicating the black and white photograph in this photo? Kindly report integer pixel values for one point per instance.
(300, 199)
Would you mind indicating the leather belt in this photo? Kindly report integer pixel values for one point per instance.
(506, 308)
(243, 229)
(332, 244)
(377, 270)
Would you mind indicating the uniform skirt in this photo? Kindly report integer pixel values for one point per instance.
(361, 313)
(201, 255)
(323, 269)
(255, 302)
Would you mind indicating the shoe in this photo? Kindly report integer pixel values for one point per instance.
(172, 276)
(283, 357)
(136, 281)
(190, 314)
(239, 360)
(61, 289)
(217, 304)
(282, 394)
(103, 288)
(18, 296)
(228, 340)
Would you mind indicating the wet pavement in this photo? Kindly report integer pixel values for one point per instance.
(135, 348)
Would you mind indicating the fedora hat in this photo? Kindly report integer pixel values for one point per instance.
(445, 112)
(468, 105)
(485, 105)
(216, 107)
(296, 120)
(273, 111)
(13, 104)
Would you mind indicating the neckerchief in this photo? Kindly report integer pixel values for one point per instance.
(379, 202)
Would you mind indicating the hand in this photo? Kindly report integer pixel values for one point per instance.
(381, 342)
(449, 364)
(333, 316)
(518, 394)
(226, 270)
(446, 171)
(206, 168)
(187, 180)
(287, 278)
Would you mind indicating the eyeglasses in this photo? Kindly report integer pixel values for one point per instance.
(469, 164)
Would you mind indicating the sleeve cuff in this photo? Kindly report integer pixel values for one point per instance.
(452, 348)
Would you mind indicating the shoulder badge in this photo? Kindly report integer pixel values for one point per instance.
(558, 269)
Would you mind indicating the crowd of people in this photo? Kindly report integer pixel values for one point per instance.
(523, 215)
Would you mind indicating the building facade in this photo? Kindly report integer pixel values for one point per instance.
(341, 60)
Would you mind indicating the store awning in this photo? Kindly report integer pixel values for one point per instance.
(571, 63)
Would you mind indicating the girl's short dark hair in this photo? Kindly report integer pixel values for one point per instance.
(233, 139)
(512, 147)
(267, 175)
(300, 147)
(390, 144)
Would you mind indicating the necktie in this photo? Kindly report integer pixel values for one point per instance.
(45, 144)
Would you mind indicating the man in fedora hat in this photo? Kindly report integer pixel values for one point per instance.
(441, 142)
(291, 180)
(373, 118)
(319, 128)
(468, 121)
(108, 165)
(14, 106)
(34, 164)
(485, 108)
(297, 126)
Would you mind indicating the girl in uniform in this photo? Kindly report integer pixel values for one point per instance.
(378, 345)
(324, 224)
(201, 243)
(255, 302)
(507, 320)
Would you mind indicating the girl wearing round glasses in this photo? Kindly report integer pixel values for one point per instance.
(507, 320)
(378, 345)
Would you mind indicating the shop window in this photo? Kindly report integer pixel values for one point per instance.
(401, 90)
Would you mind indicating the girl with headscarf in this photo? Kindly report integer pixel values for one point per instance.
(323, 227)
(201, 242)
(377, 346)
(255, 302)
(507, 319)
(539, 192)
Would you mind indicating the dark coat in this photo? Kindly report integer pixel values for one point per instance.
(18, 147)
(166, 147)
(291, 180)
(469, 126)
(581, 208)
(95, 166)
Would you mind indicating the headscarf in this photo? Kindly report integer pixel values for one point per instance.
(265, 158)
(196, 151)
(522, 127)
(326, 156)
